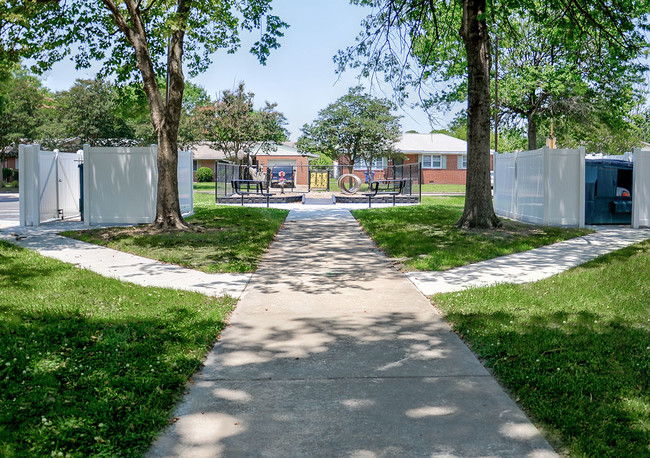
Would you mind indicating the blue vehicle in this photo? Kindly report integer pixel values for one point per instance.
(282, 175)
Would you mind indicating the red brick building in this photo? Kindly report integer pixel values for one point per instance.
(284, 154)
(443, 158)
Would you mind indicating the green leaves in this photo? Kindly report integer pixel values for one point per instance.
(236, 128)
(356, 126)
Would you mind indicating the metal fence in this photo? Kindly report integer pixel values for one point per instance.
(335, 179)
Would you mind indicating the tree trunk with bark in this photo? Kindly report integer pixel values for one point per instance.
(165, 114)
(479, 211)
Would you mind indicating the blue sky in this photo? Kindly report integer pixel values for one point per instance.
(299, 76)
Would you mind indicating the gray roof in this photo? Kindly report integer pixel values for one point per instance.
(430, 143)
(206, 152)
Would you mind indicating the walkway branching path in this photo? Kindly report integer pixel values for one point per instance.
(332, 352)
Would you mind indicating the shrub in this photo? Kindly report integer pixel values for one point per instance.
(204, 175)
(321, 160)
(7, 173)
(16, 175)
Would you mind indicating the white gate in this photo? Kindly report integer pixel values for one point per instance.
(50, 188)
(119, 185)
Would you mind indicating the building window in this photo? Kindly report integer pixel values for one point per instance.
(378, 163)
(432, 161)
(462, 162)
(195, 165)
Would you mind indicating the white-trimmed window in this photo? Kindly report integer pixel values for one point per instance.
(462, 162)
(378, 163)
(433, 161)
(195, 165)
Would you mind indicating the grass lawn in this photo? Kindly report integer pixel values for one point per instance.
(334, 187)
(220, 239)
(574, 349)
(204, 186)
(442, 188)
(424, 237)
(90, 366)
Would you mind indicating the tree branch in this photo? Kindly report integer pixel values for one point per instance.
(119, 20)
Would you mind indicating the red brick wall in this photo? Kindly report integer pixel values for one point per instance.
(10, 162)
(302, 176)
(209, 163)
(450, 175)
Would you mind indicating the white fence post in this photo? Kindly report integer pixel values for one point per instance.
(641, 188)
(581, 187)
(86, 174)
(547, 184)
(28, 185)
(515, 193)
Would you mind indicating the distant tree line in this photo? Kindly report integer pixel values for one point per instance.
(102, 113)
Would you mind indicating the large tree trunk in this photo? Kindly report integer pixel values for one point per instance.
(168, 210)
(532, 132)
(165, 114)
(479, 211)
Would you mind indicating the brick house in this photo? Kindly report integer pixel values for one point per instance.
(285, 154)
(443, 158)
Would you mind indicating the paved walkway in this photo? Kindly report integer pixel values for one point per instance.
(332, 352)
(116, 264)
(529, 266)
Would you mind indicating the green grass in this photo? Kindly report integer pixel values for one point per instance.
(220, 239)
(443, 188)
(574, 350)
(424, 237)
(90, 366)
(204, 186)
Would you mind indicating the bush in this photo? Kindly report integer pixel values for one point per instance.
(204, 175)
(321, 160)
(7, 173)
(16, 175)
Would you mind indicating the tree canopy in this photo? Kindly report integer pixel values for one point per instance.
(141, 41)
(541, 80)
(22, 104)
(429, 44)
(357, 127)
(233, 126)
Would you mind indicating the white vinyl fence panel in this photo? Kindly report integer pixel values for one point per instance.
(185, 182)
(120, 184)
(530, 187)
(48, 185)
(504, 184)
(28, 185)
(641, 189)
(565, 192)
(69, 188)
(544, 186)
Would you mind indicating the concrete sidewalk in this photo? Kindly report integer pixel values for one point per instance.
(117, 264)
(529, 266)
(332, 352)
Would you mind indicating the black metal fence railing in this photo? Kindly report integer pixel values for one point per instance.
(336, 179)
